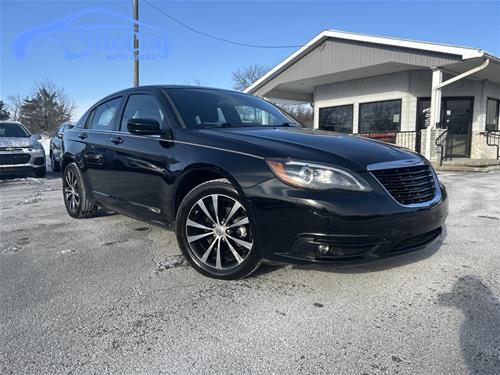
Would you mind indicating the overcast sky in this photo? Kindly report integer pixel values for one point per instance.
(84, 46)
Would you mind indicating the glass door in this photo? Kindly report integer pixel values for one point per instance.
(456, 116)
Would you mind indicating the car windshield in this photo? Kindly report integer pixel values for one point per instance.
(207, 108)
(13, 130)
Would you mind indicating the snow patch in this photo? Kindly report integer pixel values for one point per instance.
(172, 261)
(67, 251)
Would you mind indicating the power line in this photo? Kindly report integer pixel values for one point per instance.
(214, 36)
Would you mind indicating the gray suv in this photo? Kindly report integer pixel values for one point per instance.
(20, 151)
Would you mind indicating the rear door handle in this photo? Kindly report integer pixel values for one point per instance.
(82, 135)
(116, 140)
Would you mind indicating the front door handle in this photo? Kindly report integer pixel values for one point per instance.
(116, 140)
(82, 135)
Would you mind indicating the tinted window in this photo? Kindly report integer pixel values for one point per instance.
(141, 106)
(492, 115)
(201, 108)
(337, 119)
(103, 115)
(380, 116)
(11, 129)
(61, 129)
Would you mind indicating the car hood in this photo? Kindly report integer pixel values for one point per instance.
(18, 142)
(311, 145)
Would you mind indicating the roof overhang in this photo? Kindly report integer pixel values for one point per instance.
(302, 87)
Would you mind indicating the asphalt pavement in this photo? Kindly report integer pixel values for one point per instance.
(113, 295)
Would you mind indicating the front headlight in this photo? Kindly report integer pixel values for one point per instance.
(36, 147)
(315, 176)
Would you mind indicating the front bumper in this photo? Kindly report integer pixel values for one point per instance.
(299, 226)
(21, 161)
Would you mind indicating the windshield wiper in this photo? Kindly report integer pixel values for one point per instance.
(290, 125)
(233, 125)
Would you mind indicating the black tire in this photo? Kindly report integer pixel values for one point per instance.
(54, 164)
(218, 247)
(73, 187)
(40, 172)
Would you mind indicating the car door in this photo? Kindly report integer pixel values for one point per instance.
(140, 177)
(97, 135)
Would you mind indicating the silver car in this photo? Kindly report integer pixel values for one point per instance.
(20, 151)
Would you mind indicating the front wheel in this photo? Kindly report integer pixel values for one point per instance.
(214, 231)
(40, 172)
(54, 164)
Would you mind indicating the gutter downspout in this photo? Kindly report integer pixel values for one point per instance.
(435, 91)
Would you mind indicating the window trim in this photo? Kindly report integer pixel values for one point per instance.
(90, 117)
(497, 115)
(400, 100)
(337, 106)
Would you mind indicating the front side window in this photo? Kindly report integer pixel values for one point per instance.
(103, 115)
(380, 116)
(337, 119)
(141, 106)
(492, 108)
(202, 108)
(14, 130)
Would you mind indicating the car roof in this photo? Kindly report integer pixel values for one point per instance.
(166, 87)
(10, 122)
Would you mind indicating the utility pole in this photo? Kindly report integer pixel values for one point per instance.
(136, 42)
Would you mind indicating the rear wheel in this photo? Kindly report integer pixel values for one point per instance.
(214, 231)
(75, 195)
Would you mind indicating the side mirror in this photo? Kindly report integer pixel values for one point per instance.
(144, 126)
(59, 135)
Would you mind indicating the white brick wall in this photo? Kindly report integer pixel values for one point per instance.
(407, 86)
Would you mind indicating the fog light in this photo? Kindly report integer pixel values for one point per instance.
(323, 249)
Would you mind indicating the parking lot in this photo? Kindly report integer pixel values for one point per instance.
(113, 295)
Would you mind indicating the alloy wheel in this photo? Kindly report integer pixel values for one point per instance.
(71, 194)
(218, 232)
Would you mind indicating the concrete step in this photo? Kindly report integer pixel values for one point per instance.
(468, 165)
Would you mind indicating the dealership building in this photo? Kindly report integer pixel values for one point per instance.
(440, 100)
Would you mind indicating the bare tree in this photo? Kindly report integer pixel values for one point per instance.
(303, 113)
(4, 113)
(244, 77)
(45, 109)
(14, 104)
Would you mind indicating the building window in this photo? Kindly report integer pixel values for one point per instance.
(492, 107)
(337, 119)
(380, 116)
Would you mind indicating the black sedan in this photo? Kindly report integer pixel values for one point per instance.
(55, 151)
(241, 182)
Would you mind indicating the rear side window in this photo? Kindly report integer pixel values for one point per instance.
(103, 115)
(141, 106)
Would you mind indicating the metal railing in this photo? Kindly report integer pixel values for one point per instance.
(493, 139)
(441, 142)
(407, 139)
